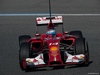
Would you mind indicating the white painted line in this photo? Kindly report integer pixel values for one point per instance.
(48, 14)
(78, 14)
(24, 14)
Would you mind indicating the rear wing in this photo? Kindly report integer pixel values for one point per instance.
(56, 20)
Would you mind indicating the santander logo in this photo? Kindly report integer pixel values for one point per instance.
(55, 43)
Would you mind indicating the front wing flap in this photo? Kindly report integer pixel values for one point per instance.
(75, 58)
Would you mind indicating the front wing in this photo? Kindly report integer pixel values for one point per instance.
(70, 59)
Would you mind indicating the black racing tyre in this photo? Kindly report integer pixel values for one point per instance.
(23, 38)
(46, 57)
(76, 33)
(87, 54)
(24, 53)
(80, 46)
(63, 56)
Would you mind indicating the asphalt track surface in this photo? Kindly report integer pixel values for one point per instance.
(12, 27)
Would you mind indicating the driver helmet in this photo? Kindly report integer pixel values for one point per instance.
(51, 32)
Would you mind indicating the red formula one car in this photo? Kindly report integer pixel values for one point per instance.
(52, 49)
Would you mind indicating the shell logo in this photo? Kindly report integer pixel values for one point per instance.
(54, 48)
(54, 51)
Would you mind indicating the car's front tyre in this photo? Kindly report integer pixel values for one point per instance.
(81, 47)
(24, 53)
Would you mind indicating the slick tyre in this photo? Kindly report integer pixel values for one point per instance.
(46, 57)
(80, 46)
(63, 56)
(24, 53)
(23, 38)
(87, 55)
(76, 33)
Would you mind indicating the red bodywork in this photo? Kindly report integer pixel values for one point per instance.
(49, 50)
(52, 43)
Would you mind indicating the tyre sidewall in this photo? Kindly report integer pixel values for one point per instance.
(24, 53)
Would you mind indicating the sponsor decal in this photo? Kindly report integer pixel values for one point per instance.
(56, 43)
(54, 50)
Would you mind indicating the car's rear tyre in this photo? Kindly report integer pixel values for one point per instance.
(76, 33)
(23, 38)
(24, 53)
